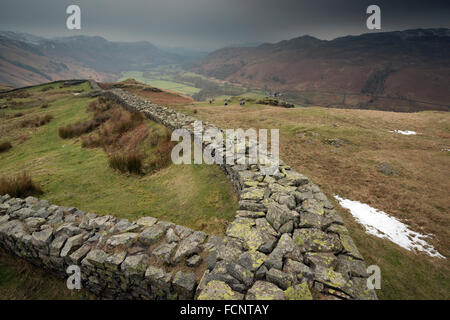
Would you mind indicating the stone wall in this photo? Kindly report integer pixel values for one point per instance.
(286, 242)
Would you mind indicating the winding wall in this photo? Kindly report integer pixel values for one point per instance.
(286, 242)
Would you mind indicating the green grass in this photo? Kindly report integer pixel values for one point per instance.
(21, 280)
(160, 81)
(200, 196)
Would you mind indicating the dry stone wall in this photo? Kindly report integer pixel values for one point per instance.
(286, 242)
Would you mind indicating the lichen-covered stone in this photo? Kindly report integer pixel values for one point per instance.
(135, 265)
(96, 257)
(123, 239)
(300, 271)
(114, 261)
(280, 278)
(151, 235)
(332, 279)
(238, 272)
(164, 252)
(349, 246)
(159, 280)
(263, 290)
(298, 292)
(252, 260)
(256, 194)
(324, 259)
(313, 206)
(315, 240)
(278, 215)
(219, 290)
(147, 221)
(57, 244)
(189, 246)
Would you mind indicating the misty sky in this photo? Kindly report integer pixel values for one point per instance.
(210, 24)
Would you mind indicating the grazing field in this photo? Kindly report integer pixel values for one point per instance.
(192, 195)
(344, 151)
(162, 82)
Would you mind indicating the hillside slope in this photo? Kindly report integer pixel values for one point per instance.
(23, 64)
(405, 67)
(26, 59)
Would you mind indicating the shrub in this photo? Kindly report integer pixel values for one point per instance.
(44, 106)
(162, 154)
(77, 129)
(37, 121)
(126, 162)
(20, 186)
(5, 146)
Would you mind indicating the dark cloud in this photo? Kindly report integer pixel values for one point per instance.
(215, 23)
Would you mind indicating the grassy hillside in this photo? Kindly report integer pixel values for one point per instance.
(342, 150)
(192, 195)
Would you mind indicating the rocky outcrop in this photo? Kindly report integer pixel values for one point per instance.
(286, 242)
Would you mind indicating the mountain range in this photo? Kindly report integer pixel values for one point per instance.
(26, 59)
(400, 71)
(409, 69)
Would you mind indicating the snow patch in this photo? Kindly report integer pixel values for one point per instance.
(406, 132)
(380, 224)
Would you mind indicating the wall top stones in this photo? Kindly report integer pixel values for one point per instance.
(286, 242)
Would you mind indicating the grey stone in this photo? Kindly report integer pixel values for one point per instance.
(316, 240)
(164, 252)
(123, 239)
(171, 236)
(189, 246)
(151, 235)
(159, 280)
(69, 229)
(252, 260)
(243, 275)
(147, 221)
(24, 213)
(183, 232)
(252, 206)
(135, 265)
(79, 254)
(194, 261)
(323, 259)
(301, 271)
(184, 284)
(71, 245)
(33, 223)
(282, 279)
(278, 215)
(219, 290)
(263, 290)
(42, 238)
(114, 261)
(96, 257)
(57, 244)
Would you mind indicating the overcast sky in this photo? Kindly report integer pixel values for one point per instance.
(209, 24)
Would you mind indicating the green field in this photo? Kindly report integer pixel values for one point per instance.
(197, 196)
(160, 81)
